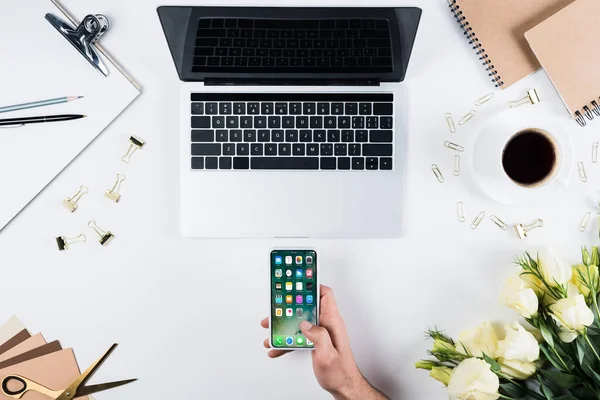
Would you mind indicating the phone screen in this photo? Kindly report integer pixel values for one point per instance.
(294, 296)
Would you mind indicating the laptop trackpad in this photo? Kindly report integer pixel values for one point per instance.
(291, 205)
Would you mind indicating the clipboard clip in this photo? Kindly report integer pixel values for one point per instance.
(84, 36)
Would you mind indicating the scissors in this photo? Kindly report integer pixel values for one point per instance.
(77, 389)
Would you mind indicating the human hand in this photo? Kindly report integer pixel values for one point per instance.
(333, 361)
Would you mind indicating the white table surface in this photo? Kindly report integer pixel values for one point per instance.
(186, 312)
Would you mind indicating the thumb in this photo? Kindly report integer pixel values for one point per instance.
(319, 336)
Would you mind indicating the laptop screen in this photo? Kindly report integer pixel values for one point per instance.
(293, 45)
(290, 45)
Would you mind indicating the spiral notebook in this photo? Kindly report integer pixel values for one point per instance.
(496, 29)
(566, 45)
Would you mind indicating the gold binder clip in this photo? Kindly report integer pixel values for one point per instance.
(522, 231)
(64, 243)
(113, 194)
(105, 236)
(531, 98)
(481, 101)
(70, 203)
(135, 144)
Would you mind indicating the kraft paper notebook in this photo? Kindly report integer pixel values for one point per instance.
(496, 29)
(32, 343)
(567, 46)
(10, 328)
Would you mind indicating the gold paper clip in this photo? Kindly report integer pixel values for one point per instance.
(135, 145)
(70, 203)
(481, 101)
(456, 165)
(522, 231)
(478, 220)
(467, 117)
(595, 148)
(584, 222)
(454, 146)
(113, 194)
(105, 236)
(438, 173)
(64, 242)
(460, 211)
(531, 98)
(499, 222)
(582, 173)
(450, 122)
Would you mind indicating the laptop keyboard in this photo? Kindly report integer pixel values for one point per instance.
(292, 45)
(263, 131)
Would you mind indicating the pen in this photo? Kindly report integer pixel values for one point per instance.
(39, 120)
(41, 103)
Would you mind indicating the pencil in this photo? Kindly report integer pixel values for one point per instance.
(41, 103)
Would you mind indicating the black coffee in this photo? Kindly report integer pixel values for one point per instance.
(529, 157)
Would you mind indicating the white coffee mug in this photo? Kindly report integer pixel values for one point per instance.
(487, 152)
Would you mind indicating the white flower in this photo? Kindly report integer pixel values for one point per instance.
(518, 352)
(521, 370)
(473, 380)
(554, 270)
(572, 316)
(519, 297)
(476, 341)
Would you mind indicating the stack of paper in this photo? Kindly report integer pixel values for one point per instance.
(31, 356)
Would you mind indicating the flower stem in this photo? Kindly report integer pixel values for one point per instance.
(595, 301)
(560, 358)
(587, 339)
(506, 397)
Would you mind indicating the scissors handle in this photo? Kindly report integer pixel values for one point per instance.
(26, 386)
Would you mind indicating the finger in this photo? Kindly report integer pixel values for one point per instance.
(265, 323)
(267, 344)
(320, 337)
(325, 290)
(277, 353)
(331, 319)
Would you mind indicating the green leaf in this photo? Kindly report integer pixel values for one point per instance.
(562, 379)
(591, 372)
(494, 366)
(545, 390)
(551, 357)
(514, 391)
(547, 334)
(566, 397)
(583, 393)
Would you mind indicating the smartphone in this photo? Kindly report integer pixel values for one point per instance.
(294, 297)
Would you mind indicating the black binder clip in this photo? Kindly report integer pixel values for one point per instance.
(84, 36)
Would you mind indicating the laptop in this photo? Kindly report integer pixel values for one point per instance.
(292, 119)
